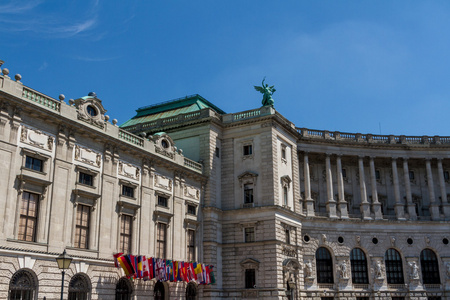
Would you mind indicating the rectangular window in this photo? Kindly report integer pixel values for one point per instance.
(86, 179)
(446, 176)
(248, 193)
(191, 209)
(288, 236)
(377, 175)
(82, 226)
(285, 196)
(344, 173)
(248, 150)
(191, 245)
(128, 191)
(162, 201)
(411, 175)
(217, 152)
(249, 233)
(250, 278)
(28, 217)
(126, 226)
(34, 163)
(283, 152)
(161, 240)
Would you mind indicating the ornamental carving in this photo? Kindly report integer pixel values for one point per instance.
(163, 182)
(309, 270)
(413, 271)
(129, 170)
(36, 138)
(88, 156)
(191, 192)
(378, 269)
(289, 251)
(343, 269)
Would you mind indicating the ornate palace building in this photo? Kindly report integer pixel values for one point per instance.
(282, 212)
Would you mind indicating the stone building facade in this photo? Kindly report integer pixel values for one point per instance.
(281, 212)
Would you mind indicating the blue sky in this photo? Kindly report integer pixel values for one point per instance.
(350, 66)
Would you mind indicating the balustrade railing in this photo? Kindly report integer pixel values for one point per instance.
(129, 137)
(192, 164)
(371, 138)
(41, 99)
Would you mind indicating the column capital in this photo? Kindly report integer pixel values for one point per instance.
(361, 156)
(405, 158)
(372, 157)
(394, 158)
(439, 159)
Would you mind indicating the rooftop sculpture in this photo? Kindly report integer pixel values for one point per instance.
(267, 92)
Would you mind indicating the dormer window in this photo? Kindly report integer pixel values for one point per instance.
(91, 110)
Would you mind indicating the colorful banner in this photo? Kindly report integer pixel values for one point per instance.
(144, 268)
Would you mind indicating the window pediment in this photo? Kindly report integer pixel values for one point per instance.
(249, 263)
(247, 177)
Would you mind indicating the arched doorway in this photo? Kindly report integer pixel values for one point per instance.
(159, 292)
(123, 289)
(191, 291)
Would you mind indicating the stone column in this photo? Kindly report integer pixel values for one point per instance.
(399, 207)
(340, 179)
(308, 200)
(411, 207)
(376, 205)
(444, 200)
(331, 203)
(365, 205)
(434, 207)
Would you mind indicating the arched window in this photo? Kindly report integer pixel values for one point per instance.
(324, 266)
(159, 291)
(358, 263)
(123, 289)
(430, 267)
(191, 291)
(22, 286)
(394, 267)
(79, 287)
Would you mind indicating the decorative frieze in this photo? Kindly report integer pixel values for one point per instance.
(37, 138)
(87, 156)
(129, 171)
(163, 182)
(191, 192)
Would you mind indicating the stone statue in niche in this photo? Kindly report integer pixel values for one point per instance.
(378, 270)
(308, 269)
(343, 269)
(414, 270)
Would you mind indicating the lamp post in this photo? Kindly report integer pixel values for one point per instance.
(63, 261)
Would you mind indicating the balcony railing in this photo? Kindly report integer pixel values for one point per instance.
(41, 99)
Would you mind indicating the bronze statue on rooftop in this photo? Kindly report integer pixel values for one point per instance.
(267, 92)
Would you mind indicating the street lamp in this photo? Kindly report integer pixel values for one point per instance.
(63, 261)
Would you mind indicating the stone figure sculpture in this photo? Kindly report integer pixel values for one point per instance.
(378, 270)
(448, 269)
(267, 92)
(308, 269)
(414, 273)
(343, 269)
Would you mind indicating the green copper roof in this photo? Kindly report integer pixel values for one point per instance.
(171, 108)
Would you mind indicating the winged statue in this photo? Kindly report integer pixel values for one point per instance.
(267, 92)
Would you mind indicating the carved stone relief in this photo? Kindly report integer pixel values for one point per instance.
(129, 170)
(36, 138)
(191, 192)
(88, 156)
(163, 182)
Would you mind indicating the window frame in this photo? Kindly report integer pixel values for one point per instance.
(358, 266)
(249, 193)
(22, 235)
(249, 234)
(126, 189)
(324, 266)
(250, 278)
(394, 267)
(190, 243)
(191, 209)
(161, 240)
(161, 203)
(124, 234)
(430, 267)
(247, 149)
(80, 228)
